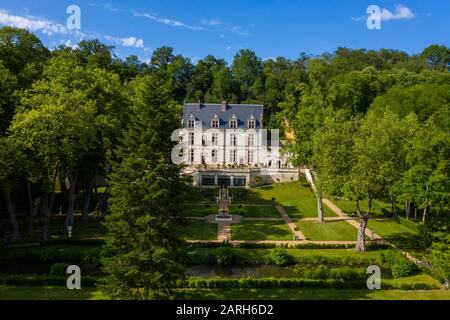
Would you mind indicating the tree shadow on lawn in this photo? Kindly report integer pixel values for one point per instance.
(406, 241)
(276, 294)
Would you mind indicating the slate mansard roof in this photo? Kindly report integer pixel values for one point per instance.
(205, 112)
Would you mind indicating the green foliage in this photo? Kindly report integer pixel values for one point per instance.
(142, 255)
(59, 268)
(280, 257)
(224, 256)
(400, 266)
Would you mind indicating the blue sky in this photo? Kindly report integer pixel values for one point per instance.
(271, 28)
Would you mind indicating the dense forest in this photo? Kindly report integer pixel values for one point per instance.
(374, 124)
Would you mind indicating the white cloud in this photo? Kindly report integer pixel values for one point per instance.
(238, 30)
(211, 22)
(132, 42)
(228, 48)
(127, 42)
(401, 12)
(110, 7)
(32, 23)
(169, 22)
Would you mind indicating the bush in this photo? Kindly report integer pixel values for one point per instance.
(280, 257)
(224, 256)
(321, 272)
(59, 268)
(403, 268)
(258, 181)
(400, 266)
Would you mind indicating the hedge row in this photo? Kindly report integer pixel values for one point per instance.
(408, 223)
(268, 283)
(52, 253)
(42, 280)
(77, 242)
(272, 283)
(272, 245)
(284, 283)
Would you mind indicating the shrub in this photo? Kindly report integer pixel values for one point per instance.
(403, 268)
(400, 266)
(321, 272)
(59, 268)
(258, 181)
(280, 257)
(224, 256)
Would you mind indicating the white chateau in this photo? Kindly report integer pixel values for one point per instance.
(226, 144)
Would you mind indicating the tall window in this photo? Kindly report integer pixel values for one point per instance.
(191, 155)
(203, 140)
(191, 138)
(214, 139)
(251, 140)
(214, 155)
(250, 157)
(233, 139)
(233, 156)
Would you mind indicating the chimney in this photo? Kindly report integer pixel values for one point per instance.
(223, 106)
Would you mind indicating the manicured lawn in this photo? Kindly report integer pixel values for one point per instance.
(396, 233)
(62, 293)
(255, 211)
(86, 230)
(314, 294)
(331, 230)
(200, 210)
(49, 293)
(261, 230)
(200, 230)
(379, 208)
(295, 198)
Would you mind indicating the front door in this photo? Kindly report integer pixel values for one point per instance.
(224, 181)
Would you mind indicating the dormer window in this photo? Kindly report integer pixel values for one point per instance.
(191, 121)
(233, 122)
(215, 121)
(252, 122)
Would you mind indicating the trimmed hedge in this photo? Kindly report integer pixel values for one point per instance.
(284, 283)
(52, 253)
(272, 245)
(272, 283)
(77, 242)
(42, 280)
(408, 223)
